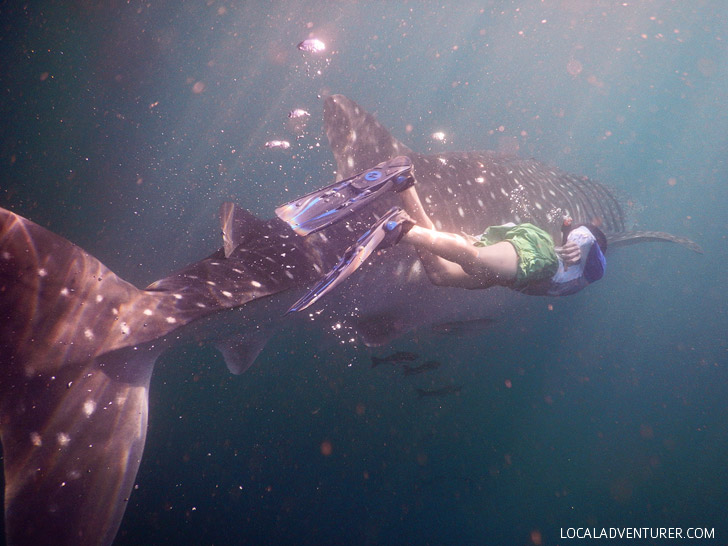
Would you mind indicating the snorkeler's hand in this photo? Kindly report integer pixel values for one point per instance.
(570, 253)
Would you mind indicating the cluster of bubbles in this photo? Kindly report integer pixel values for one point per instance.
(298, 118)
(315, 59)
(342, 325)
(555, 215)
(297, 122)
(520, 205)
(312, 45)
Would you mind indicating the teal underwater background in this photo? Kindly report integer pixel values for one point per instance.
(124, 125)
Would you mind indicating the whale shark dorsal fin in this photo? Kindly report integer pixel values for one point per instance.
(239, 227)
(357, 139)
(227, 226)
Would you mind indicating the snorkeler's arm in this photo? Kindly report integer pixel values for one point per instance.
(570, 253)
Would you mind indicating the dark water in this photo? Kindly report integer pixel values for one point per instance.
(125, 125)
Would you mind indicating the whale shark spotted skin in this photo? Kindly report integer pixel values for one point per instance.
(78, 344)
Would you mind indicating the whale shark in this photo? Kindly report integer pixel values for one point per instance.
(78, 344)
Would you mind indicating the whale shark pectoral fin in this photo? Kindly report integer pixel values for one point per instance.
(626, 238)
(72, 445)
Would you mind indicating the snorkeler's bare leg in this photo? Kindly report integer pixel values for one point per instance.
(452, 260)
(414, 207)
(440, 271)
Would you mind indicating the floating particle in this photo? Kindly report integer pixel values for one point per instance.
(278, 144)
(574, 67)
(439, 136)
(326, 448)
(312, 45)
(646, 431)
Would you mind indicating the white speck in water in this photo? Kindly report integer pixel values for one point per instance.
(89, 406)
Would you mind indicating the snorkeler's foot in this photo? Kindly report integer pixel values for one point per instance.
(395, 225)
(385, 233)
(321, 208)
(394, 175)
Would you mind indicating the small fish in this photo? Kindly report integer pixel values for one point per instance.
(429, 365)
(463, 327)
(278, 144)
(450, 389)
(312, 45)
(394, 358)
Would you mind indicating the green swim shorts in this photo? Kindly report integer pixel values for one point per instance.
(535, 248)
